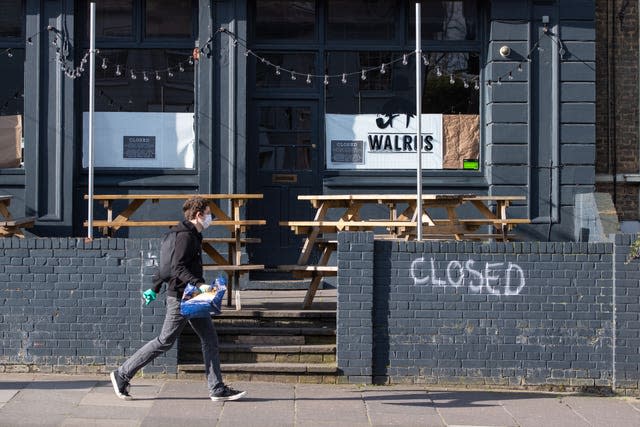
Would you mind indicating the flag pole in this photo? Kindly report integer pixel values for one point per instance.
(419, 130)
(92, 95)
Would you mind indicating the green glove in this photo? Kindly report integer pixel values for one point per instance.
(149, 295)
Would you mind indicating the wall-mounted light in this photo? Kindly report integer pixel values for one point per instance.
(505, 51)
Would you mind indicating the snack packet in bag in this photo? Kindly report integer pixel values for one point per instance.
(196, 304)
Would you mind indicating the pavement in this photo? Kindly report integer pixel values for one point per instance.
(65, 400)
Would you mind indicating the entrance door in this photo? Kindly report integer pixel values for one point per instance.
(283, 163)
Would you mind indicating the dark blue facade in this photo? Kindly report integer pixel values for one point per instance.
(537, 118)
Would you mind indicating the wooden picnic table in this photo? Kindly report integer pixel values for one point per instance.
(10, 226)
(439, 217)
(236, 226)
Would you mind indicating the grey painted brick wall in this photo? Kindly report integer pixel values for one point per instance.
(67, 305)
(517, 313)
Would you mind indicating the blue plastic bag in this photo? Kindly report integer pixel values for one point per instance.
(195, 304)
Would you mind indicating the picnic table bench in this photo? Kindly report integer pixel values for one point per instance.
(10, 226)
(232, 222)
(440, 220)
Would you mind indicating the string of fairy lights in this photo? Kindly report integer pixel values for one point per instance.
(65, 58)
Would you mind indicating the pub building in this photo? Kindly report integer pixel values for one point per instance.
(288, 98)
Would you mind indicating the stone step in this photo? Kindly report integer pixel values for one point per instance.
(247, 353)
(276, 319)
(274, 331)
(267, 371)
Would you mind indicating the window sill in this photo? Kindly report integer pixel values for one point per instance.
(403, 179)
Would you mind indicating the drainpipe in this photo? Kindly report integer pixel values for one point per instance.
(611, 121)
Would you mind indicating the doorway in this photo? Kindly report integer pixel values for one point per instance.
(283, 163)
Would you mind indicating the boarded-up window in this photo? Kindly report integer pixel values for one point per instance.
(10, 141)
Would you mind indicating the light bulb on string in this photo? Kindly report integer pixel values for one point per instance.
(382, 69)
(293, 76)
(277, 70)
(104, 64)
(180, 68)
(144, 76)
(438, 71)
(344, 78)
(309, 78)
(425, 60)
(452, 80)
(133, 75)
(9, 53)
(465, 83)
(499, 81)
(326, 79)
(158, 76)
(363, 76)
(510, 76)
(476, 85)
(118, 71)
(489, 83)
(191, 60)
(30, 41)
(170, 73)
(404, 59)
(247, 52)
(520, 67)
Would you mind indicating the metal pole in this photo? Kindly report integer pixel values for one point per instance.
(419, 130)
(92, 95)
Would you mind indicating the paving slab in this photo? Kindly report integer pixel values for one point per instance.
(401, 407)
(604, 411)
(472, 408)
(537, 409)
(337, 404)
(270, 404)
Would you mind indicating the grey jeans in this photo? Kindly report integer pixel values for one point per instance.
(173, 325)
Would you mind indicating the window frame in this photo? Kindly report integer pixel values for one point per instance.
(138, 41)
(402, 43)
(17, 43)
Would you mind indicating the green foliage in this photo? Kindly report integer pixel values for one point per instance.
(634, 251)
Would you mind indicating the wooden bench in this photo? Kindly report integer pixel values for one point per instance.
(129, 223)
(243, 268)
(243, 240)
(13, 226)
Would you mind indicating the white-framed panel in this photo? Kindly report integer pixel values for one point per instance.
(140, 140)
(376, 141)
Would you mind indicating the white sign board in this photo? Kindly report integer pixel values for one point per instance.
(377, 141)
(140, 140)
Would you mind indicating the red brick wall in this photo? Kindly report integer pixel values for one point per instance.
(625, 103)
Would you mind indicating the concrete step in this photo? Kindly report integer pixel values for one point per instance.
(267, 371)
(277, 319)
(247, 353)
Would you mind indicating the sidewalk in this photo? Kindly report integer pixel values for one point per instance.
(59, 400)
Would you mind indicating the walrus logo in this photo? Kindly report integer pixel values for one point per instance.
(382, 124)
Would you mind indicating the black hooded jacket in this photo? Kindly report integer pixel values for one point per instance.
(186, 264)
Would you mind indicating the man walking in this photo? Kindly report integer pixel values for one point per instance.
(186, 267)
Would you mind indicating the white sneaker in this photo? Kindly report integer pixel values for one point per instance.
(120, 386)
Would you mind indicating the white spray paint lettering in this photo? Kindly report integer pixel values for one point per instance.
(494, 278)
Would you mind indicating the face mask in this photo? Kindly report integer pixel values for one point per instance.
(206, 222)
